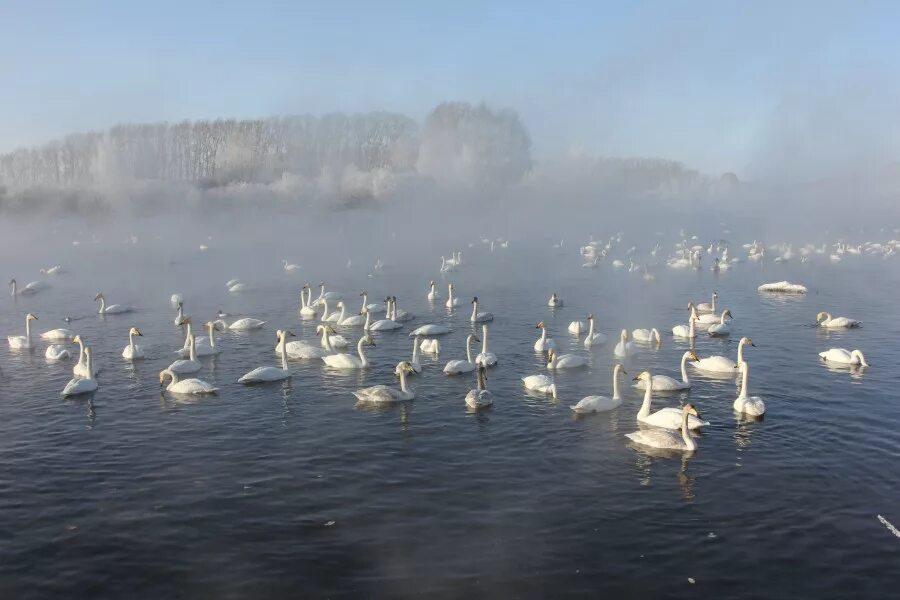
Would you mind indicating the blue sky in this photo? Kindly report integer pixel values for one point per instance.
(714, 84)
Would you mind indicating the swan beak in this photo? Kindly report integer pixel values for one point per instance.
(636, 378)
(624, 372)
(475, 338)
(139, 333)
(752, 344)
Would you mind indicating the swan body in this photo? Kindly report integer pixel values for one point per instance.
(323, 295)
(54, 270)
(842, 356)
(686, 331)
(565, 361)
(330, 340)
(451, 301)
(290, 267)
(646, 335)
(31, 288)
(432, 292)
(624, 348)
(348, 361)
(744, 404)
(430, 346)
(555, 301)
(669, 440)
(577, 327)
(824, 319)
(480, 397)
(86, 385)
(269, 374)
(56, 352)
(23, 341)
(401, 316)
(592, 404)
(479, 317)
(664, 383)
(330, 317)
(485, 358)
(375, 309)
(112, 309)
(206, 346)
(81, 367)
(710, 318)
(544, 343)
(231, 283)
(246, 324)
(58, 334)
(383, 393)
(540, 383)
(184, 386)
(189, 365)
(353, 320)
(132, 351)
(456, 367)
(708, 307)
(306, 311)
(723, 364)
(430, 329)
(666, 418)
(179, 318)
(783, 287)
(722, 328)
(238, 287)
(593, 339)
(303, 350)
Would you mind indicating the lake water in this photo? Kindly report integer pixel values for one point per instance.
(292, 490)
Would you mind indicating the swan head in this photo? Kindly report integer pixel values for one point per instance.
(368, 341)
(340, 304)
(540, 325)
(624, 335)
(475, 300)
(283, 334)
(135, 331)
(747, 341)
(862, 359)
(165, 374)
(690, 410)
(43, 271)
(98, 296)
(716, 294)
(728, 314)
(619, 369)
(590, 317)
(693, 356)
(76, 339)
(690, 306)
(186, 321)
(31, 317)
(642, 376)
(405, 367)
(823, 316)
(12, 281)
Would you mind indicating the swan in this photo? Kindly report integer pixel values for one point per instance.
(23, 341)
(430, 346)
(400, 316)
(686, 331)
(184, 386)
(555, 301)
(236, 285)
(189, 365)
(664, 383)
(447, 266)
(383, 393)
(290, 267)
(667, 418)
(708, 307)
(353, 320)
(58, 334)
(455, 367)
(414, 361)
(246, 324)
(430, 329)
(175, 300)
(330, 340)
(306, 311)
(133, 351)
(593, 339)
(565, 361)
(479, 317)
(207, 346)
(646, 335)
(721, 328)
(480, 397)
(304, 350)
(112, 309)
(386, 324)
(485, 358)
(267, 374)
(330, 317)
(710, 318)
(81, 367)
(323, 295)
(54, 270)
(784, 287)
(844, 357)
(668, 440)
(824, 319)
(432, 292)
(348, 361)
(577, 327)
(540, 383)
(624, 348)
(56, 352)
(231, 283)
(748, 405)
(179, 318)
(375, 309)
(451, 301)
(723, 364)
(544, 343)
(31, 288)
(592, 404)
(82, 385)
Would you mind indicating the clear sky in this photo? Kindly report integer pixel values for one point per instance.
(708, 83)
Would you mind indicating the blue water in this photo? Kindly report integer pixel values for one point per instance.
(292, 490)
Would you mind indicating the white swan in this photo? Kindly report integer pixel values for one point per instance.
(577, 327)
(290, 267)
(668, 440)
(720, 329)
(112, 309)
(54, 270)
(451, 301)
(179, 318)
(664, 383)
(646, 335)
(267, 374)
(189, 365)
(387, 324)
(323, 295)
(132, 351)
(232, 282)
(430, 329)
(624, 348)
(81, 367)
(414, 361)
(723, 364)
(479, 317)
(485, 357)
(430, 346)
(540, 383)
(784, 287)
(206, 346)
(455, 367)
(555, 301)
(306, 311)
(383, 393)
(246, 324)
(400, 316)
(175, 300)
(31, 288)
(302, 349)
(56, 352)
(592, 404)
(329, 317)
(58, 334)
(593, 339)
(330, 340)
(82, 385)
(710, 318)
(708, 307)
(544, 343)
(348, 361)
(824, 319)
(352, 320)
(667, 418)
(447, 266)
(184, 386)
(842, 356)
(686, 331)
(23, 341)
(748, 405)
(375, 309)
(235, 285)
(480, 397)
(565, 361)
(432, 292)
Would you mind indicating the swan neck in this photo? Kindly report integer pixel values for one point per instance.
(366, 324)
(415, 354)
(327, 339)
(193, 355)
(403, 381)
(474, 310)
(484, 339)
(131, 340)
(212, 334)
(590, 328)
(102, 304)
(615, 395)
(648, 399)
(80, 351)
(744, 378)
(28, 330)
(688, 441)
(362, 355)
(469, 348)
(90, 366)
(684, 375)
(283, 343)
